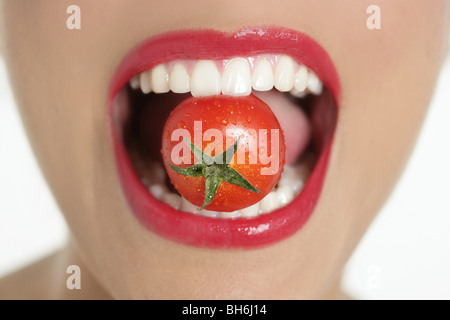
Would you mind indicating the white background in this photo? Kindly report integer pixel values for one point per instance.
(404, 255)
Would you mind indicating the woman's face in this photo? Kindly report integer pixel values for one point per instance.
(61, 79)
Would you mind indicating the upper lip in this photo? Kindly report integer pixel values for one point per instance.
(211, 44)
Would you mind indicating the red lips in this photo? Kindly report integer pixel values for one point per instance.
(208, 232)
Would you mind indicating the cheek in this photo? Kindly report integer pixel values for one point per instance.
(62, 103)
(387, 86)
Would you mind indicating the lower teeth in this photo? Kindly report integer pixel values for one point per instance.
(290, 185)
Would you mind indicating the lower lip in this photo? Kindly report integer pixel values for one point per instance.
(200, 231)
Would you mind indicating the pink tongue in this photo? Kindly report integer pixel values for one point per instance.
(293, 121)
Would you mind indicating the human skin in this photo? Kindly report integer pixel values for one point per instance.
(60, 80)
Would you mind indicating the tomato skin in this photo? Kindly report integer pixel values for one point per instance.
(233, 117)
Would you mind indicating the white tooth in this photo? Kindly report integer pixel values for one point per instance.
(179, 79)
(287, 177)
(172, 200)
(158, 174)
(231, 215)
(146, 81)
(291, 178)
(284, 74)
(205, 79)
(262, 78)
(314, 84)
(236, 78)
(298, 94)
(285, 195)
(187, 206)
(160, 79)
(301, 79)
(158, 191)
(269, 203)
(297, 186)
(209, 213)
(251, 211)
(135, 83)
(288, 171)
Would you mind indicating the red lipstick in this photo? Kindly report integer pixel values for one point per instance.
(208, 232)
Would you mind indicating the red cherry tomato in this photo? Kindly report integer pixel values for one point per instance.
(223, 153)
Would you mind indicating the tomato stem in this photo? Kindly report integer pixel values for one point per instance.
(215, 170)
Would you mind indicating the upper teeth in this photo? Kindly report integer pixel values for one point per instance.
(235, 77)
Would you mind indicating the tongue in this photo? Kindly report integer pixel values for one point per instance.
(293, 121)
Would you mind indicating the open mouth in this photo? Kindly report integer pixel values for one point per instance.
(286, 69)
